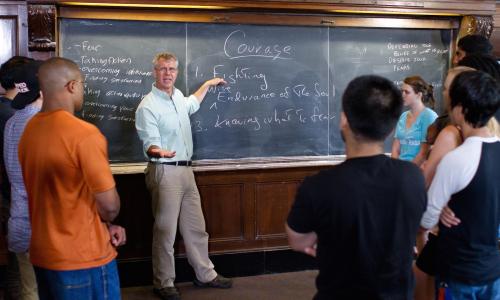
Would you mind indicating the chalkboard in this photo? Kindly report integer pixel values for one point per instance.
(284, 82)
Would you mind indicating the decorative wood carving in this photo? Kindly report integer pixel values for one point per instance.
(482, 25)
(41, 27)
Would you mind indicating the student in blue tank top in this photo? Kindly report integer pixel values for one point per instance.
(411, 131)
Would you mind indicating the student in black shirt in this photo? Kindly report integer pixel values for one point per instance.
(6, 111)
(361, 217)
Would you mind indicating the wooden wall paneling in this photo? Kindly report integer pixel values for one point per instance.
(273, 202)
(135, 216)
(13, 29)
(223, 208)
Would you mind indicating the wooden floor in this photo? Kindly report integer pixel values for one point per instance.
(283, 286)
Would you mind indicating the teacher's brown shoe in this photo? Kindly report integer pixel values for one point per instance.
(219, 282)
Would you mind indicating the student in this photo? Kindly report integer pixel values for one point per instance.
(486, 63)
(362, 231)
(6, 111)
(163, 125)
(472, 44)
(467, 181)
(410, 141)
(448, 135)
(71, 193)
(28, 101)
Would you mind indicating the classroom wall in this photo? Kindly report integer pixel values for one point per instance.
(244, 209)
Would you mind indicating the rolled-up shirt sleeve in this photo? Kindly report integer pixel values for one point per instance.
(147, 128)
(192, 104)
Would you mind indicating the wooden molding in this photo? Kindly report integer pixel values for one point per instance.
(482, 25)
(416, 7)
(41, 27)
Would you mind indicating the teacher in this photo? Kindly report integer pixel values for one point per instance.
(163, 124)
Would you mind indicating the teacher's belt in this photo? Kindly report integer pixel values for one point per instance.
(186, 163)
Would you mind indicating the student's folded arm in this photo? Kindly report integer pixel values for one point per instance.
(108, 204)
(302, 242)
(422, 154)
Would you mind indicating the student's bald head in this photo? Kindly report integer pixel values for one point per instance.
(55, 73)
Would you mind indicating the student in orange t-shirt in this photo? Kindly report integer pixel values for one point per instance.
(71, 193)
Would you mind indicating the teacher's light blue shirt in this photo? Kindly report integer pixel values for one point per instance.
(164, 121)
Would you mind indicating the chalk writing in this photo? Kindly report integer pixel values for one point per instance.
(234, 48)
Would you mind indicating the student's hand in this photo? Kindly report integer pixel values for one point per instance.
(157, 152)
(448, 218)
(117, 235)
(311, 250)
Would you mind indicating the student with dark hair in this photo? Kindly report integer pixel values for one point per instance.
(482, 62)
(467, 180)
(472, 44)
(490, 65)
(6, 111)
(28, 101)
(410, 138)
(444, 136)
(362, 231)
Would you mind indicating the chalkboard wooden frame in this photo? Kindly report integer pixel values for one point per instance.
(336, 20)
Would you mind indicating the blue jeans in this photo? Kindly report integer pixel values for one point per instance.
(460, 291)
(86, 284)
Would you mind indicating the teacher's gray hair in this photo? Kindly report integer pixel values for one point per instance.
(165, 56)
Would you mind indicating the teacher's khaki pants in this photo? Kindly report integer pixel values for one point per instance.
(175, 198)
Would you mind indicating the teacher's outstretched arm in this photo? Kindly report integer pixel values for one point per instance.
(202, 91)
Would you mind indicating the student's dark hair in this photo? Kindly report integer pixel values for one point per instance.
(372, 105)
(482, 62)
(479, 95)
(6, 70)
(420, 86)
(475, 43)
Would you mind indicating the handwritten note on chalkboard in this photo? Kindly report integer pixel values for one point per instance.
(284, 82)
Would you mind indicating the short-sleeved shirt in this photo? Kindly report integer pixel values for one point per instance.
(468, 252)
(366, 213)
(64, 162)
(411, 138)
(164, 121)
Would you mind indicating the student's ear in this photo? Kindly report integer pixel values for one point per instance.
(343, 121)
(71, 85)
(457, 114)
